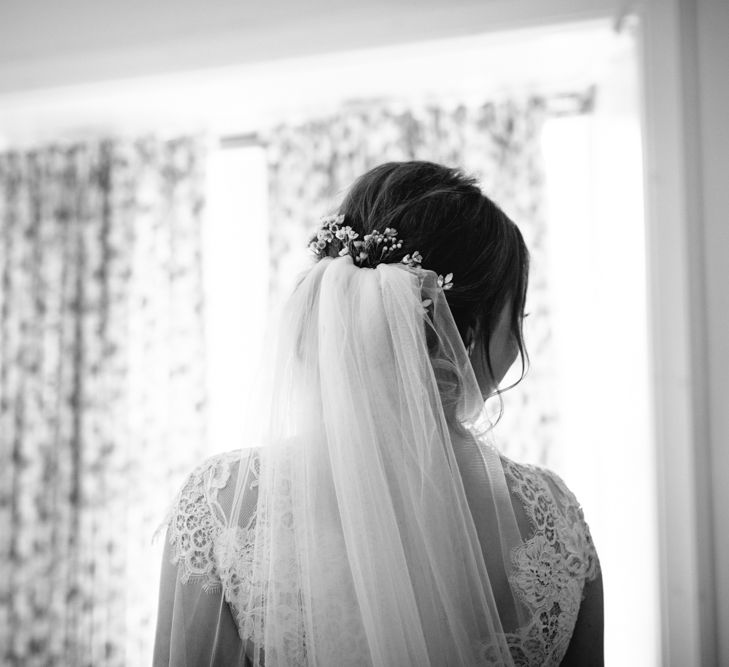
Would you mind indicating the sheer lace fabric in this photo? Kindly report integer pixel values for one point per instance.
(378, 524)
(557, 558)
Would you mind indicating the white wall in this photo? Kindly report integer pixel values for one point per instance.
(712, 30)
(45, 44)
(686, 95)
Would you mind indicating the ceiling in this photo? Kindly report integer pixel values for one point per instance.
(46, 44)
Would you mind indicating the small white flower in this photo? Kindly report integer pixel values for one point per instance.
(344, 251)
(445, 283)
(346, 233)
(412, 260)
(332, 221)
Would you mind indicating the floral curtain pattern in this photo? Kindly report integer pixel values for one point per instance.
(313, 163)
(102, 399)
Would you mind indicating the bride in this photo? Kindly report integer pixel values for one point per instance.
(375, 522)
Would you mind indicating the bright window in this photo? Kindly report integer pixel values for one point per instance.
(235, 274)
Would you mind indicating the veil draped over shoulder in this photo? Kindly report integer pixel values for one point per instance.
(384, 525)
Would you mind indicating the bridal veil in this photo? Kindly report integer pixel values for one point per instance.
(384, 526)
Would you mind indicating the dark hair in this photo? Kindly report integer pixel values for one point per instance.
(442, 213)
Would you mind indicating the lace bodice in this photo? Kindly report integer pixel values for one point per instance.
(551, 568)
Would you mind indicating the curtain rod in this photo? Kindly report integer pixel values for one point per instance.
(558, 104)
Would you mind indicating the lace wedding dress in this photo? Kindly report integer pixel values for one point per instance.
(553, 565)
(378, 525)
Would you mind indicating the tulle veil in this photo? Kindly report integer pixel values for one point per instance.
(384, 527)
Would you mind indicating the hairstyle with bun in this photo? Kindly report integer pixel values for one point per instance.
(442, 213)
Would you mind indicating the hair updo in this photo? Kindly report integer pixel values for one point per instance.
(443, 214)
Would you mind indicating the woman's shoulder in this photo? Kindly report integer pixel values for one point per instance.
(553, 511)
(200, 512)
(553, 565)
(531, 480)
(220, 469)
(212, 482)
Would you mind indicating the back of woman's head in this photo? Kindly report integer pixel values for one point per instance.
(457, 229)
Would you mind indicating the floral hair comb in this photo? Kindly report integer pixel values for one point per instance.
(372, 249)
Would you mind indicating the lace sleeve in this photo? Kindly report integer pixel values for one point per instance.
(584, 547)
(194, 622)
(196, 521)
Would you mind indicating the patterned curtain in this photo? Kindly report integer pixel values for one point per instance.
(101, 389)
(312, 164)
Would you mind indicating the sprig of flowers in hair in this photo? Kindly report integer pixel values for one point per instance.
(372, 249)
